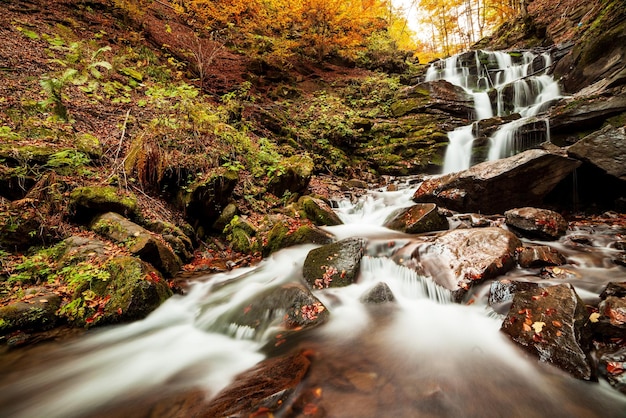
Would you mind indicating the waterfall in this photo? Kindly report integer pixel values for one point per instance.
(520, 84)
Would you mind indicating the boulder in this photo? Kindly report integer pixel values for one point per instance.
(612, 366)
(584, 113)
(496, 186)
(290, 307)
(458, 259)
(381, 293)
(536, 223)
(318, 211)
(334, 265)
(242, 235)
(293, 176)
(87, 201)
(289, 232)
(548, 322)
(35, 312)
(605, 149)
(533, 256)
(502, 291)
(175, 236)
(139, 242)
(611, 316)
(439, 95)
(417, 219)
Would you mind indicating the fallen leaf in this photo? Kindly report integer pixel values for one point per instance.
(538, 326)
(594, 317)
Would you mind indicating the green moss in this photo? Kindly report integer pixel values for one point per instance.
(94, 199)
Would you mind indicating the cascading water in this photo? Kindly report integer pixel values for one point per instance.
(420, 356)
(516, 81)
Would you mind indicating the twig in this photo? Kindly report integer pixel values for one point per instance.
(119, 146)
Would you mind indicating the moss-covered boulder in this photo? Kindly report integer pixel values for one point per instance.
(204, 201)
(138, 241)
(90, 145)
(334, 265)
(439, 95)
(227, 215)
(88, 201)
(318, 211)
(177, 237)
(417, 219)
(292, 176)
(289, 232)
(37, 313)
(242, 235)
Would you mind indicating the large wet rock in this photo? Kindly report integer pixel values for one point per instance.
(581, 114)
(548, 323)
(612, 366)
(318, 211)
(417, 219)
(433, 95)
(536, 223)
(458, 259)
(501, 292)
(610, 321)
(605, 149)
(496, 186)
(533, 256)
(261, 391)
(289, 307)
(334, 265)
(139, 242)
(381, 293)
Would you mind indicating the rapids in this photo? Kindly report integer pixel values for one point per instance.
(420, 357)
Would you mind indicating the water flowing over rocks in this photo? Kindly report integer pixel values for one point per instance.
(548, 322)
(417, 219)
(536, 223)
(487, 187)
(458, 259)
(334, 265)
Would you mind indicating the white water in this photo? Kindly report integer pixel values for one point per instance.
(530, 94)
(429, 357)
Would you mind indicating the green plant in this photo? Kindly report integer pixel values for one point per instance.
(68, 159)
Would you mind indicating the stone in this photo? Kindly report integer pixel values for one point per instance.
(458, 259)
(496, 186)
(548, 323)
(433, 95)
(605, 149)
(536, 223)
(87, 201)
(37, 312)
(334, 265)
(290, 307)
(293, 178)
(533, 256)
(612, 366)
(288, 232)
(417, 219)
(139, 242)
(582, 113)
(381, 293)
(502, 291)
(319, 212)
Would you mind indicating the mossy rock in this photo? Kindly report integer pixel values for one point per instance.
(179, 240)
(28, 155)
(288, 233)
(242, 236)
(293, 176)
(227, 215)
(138, 241)
(318, 211)
(124, 289)
(87, 201)
(90, 145)
(36, 314)
(334, 265)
